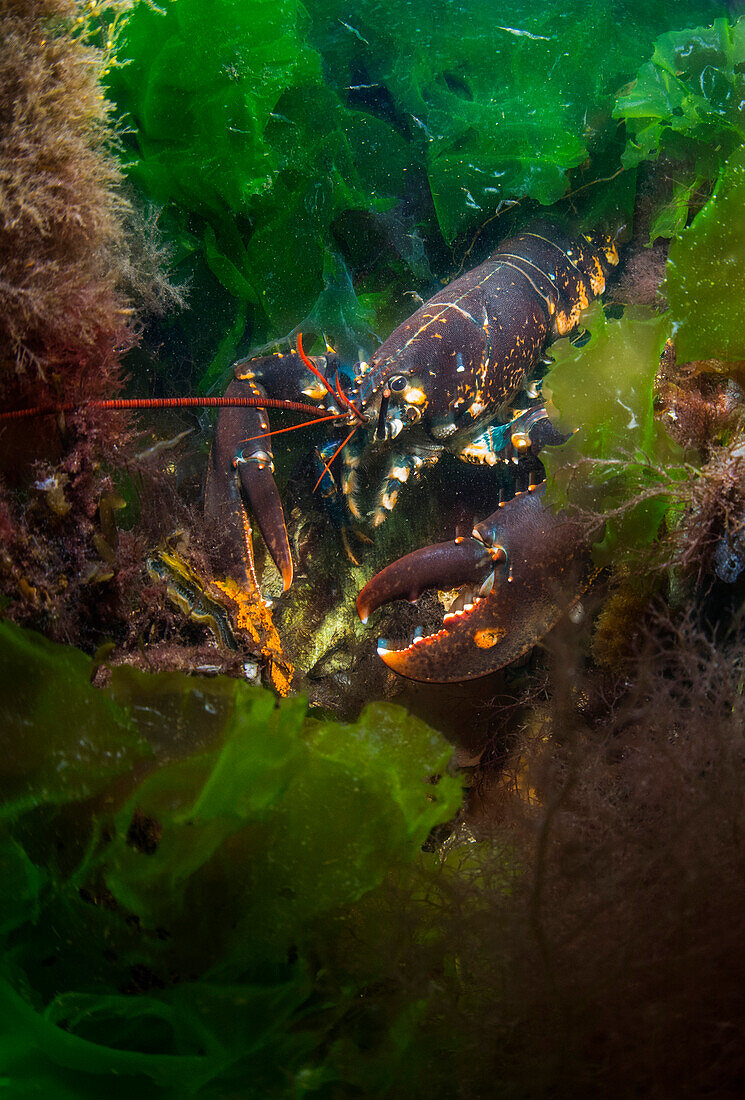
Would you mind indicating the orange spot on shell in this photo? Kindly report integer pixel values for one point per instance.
(487, 638)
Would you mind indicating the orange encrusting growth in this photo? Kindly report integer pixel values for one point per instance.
(252, 615)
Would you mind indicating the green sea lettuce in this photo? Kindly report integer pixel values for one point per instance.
(163, 934)
(230, 123)
(705, 275)
(62, 739)
(687, 98)
(618, 451)
(286, 141)
(686, 103)
(505, 98)
(260, 797)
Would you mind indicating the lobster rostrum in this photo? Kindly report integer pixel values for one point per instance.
(458, 376)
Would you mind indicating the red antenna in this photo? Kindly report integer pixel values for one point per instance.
(137, 403)
(118, 403)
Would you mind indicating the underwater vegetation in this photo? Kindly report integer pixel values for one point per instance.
(64, 321)
(192, 872)
(183, 915)
(205, 889)
(291, 145)
(73, 254)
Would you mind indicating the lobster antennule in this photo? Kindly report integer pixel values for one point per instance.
(292, 428)
(335, 394)
(326, 469)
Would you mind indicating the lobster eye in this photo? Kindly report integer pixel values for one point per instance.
(413, 414)
(398, 383)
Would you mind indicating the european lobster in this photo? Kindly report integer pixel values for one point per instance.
(457, 376)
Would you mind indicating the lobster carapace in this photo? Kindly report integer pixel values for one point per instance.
(460, 375)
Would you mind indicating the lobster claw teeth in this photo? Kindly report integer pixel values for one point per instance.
(545, 576)
(443, 565)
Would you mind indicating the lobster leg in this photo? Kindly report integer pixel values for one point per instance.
(333, 497)
(241, 470)
(351, 459)
(537, 568)
(402, 467)
(526, 434)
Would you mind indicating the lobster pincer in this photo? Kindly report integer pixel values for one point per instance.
(519, 572)
(241, 468)
(240, 477)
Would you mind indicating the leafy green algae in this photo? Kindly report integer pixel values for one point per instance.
(604, 387)
(686, 103)
(615, 457)
(687, 100)
(511, 96)
(277, 135)
(163, 934)
(705, 276)
(63, 740)
(234, 128)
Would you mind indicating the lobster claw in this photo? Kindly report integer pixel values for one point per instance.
(532, 566)
(240, 472)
